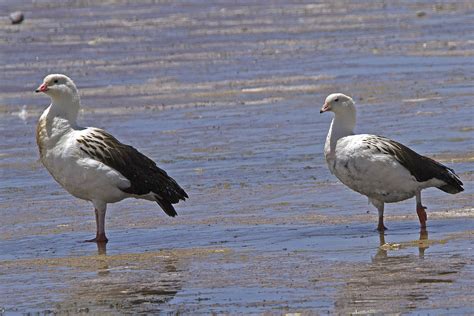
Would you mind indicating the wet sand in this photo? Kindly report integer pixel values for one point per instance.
(226, 98)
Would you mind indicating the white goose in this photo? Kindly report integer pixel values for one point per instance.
(381, 169)
(93, 165)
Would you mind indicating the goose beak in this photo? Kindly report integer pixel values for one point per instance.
(42, 88)
(325, 108)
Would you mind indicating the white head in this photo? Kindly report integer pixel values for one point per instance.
(58, 86)
(63, 93)
(338, 103)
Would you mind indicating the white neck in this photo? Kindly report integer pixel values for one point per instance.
(65, 107)
(342, 125)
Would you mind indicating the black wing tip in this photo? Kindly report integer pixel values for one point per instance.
(452, 189)
(184, 195)
(453, 182)
(167, 207)
(178, 192)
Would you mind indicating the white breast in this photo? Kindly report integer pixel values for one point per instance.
(80, 175)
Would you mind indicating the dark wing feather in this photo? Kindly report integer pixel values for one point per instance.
(421, 167)
(144, 175)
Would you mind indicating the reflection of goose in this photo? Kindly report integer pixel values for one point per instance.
(93, 165)
(383, 248)
(103, 268)
(423, 243)
(381, 252)
(381, 169)
(391, 282)
(101, 248)
(127, 283)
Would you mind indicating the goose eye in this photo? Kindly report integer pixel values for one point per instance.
(56, 81)
(335, 100)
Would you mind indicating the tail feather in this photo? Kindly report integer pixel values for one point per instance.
(170, 195)
(453, 183)
(167, 207)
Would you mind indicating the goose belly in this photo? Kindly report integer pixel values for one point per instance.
(87, 179)
(383, 180)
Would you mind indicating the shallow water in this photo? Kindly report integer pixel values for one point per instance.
(226, 98)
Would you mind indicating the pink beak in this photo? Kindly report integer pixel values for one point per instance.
(42, 88)
(325, 108)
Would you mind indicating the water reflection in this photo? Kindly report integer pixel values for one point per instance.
(101, 248)
(384, 247)
(391, 281)
(130, 283)
(423, 244)
(103, 264)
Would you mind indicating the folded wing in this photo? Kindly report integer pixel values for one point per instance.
(144, 175)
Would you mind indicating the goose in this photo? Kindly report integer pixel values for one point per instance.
(93, 165)
(380, 168)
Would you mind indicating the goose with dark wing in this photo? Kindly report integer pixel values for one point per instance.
(93, 165)
(380, 168)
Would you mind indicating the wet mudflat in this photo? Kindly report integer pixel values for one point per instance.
(226, 98)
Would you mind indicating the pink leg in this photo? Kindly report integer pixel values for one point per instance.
(420, 210)
(100, 223)
(380, 207)
(381, 227)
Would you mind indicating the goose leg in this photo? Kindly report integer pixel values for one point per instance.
(381, 227)
(100, 209)
(420, 210)
(380, 207)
